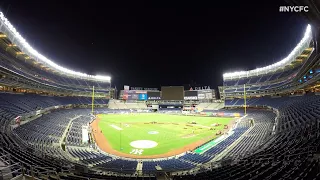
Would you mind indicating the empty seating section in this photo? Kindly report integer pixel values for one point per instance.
(19, 153)
(196, 158)
(203, 105)
(256, 136)
(284, 155)
(88, 157)
(239, 102)
(47, 129)
(42, 76)
(142, 106)
(127, 105)
(289, 107)
(283, 75)
(254, 88)
(167, 165)
(210, 106)
(120, 165)
(226, 142)
(149, 166)
(74, 136)
(258, 152)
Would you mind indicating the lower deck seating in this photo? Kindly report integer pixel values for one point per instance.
(257, 152)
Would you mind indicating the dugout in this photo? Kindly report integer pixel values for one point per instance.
(171, 106)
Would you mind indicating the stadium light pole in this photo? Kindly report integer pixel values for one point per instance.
(92, 99)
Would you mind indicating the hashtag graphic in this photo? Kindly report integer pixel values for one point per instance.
(280, 8)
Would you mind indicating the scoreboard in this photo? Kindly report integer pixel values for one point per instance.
(175, 93)
(172, 93)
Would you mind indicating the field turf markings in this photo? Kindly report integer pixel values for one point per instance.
(116, 127)
(169, 137)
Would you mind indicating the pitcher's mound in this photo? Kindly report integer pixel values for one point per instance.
(143, 144)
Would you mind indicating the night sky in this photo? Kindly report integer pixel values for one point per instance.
(149, 45)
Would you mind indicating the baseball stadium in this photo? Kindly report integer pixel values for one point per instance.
(57, 123)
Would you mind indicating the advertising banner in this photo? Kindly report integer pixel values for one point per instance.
(220, 114)
(205, 94)
(190, 95)
(134, 94)
(236, 114)
(201, 96)
(153, 95)
(154, 98)
(190, 98)
(131, 96)
(208, 95)
(125, 87)
(143, 97)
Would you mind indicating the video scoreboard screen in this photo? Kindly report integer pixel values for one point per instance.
(172, 93)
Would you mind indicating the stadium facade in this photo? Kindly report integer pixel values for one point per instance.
(47, 111)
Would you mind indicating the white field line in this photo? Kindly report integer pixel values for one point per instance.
(116, 127)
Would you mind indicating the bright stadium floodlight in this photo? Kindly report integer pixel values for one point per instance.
(22, 43)
(291, 57)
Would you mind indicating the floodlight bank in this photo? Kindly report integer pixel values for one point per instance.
(302, 45)
(14, 36)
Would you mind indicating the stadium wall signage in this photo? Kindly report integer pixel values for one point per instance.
(201, 88)
(154, 98)
(141, 88)
(190, 97)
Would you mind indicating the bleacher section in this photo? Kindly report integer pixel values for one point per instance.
(74, 136)
(263, 79)
(257, 135)
(285, 154)
(117, 104)
(210, 106)
(43, 77)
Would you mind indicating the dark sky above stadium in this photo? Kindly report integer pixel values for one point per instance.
(154, 44)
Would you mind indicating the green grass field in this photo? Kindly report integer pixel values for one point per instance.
(121, 130)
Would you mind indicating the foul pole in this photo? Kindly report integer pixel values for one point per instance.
(120, 137)
(92, 99)
(245, 99)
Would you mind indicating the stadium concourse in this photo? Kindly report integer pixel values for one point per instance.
(46, 113)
